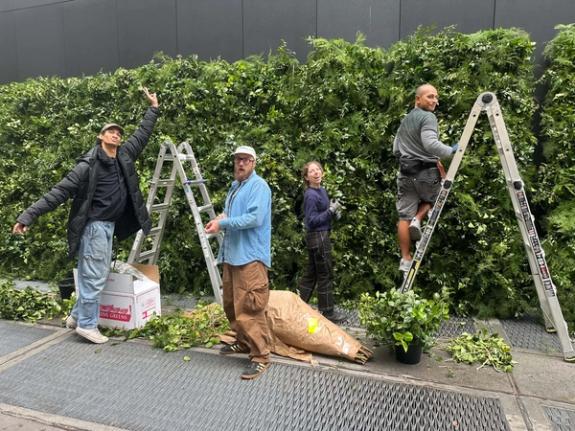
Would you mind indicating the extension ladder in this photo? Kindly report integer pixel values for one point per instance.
(147, 249)
(546, 291)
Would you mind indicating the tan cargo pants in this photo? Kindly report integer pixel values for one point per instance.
(246, 295)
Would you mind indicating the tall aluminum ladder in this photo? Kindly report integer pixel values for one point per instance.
(147, 249)
(546, 290)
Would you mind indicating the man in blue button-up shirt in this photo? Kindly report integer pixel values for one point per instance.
(246, 257)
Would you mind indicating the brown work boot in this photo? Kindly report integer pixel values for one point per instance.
(254, 370)
(229, 349)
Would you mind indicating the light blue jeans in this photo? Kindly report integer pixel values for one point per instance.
(94, 258)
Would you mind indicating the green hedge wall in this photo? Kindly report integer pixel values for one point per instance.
(557, 172)
(342, 107)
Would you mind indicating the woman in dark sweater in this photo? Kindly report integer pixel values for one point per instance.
(318, 213)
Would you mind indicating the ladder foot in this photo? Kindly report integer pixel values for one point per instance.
(550, 330)
(570, 359)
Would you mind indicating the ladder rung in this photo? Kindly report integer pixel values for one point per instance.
(160, 207)
(146, 254)
(205, 207)
(155, 230)
(212, 235)
(166, 182)
(195, 182)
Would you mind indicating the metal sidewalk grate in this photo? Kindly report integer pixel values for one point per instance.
(528, 333)
(351, 317)
(456, 326)
(136, 387)
(561, 419)
(15, 335)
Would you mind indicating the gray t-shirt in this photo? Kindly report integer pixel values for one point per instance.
(417, 138)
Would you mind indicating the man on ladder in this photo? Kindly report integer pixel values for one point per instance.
(544, 286)
(418, 150)
(246, 256)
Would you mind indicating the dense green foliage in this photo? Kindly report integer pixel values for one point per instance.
(399, 318)
(557, 173)
(476, 251)
(483, 348)
(342, 107)
(27, 304)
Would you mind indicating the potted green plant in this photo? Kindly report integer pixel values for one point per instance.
(405, 320)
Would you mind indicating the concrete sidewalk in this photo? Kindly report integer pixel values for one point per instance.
(47, 372)
(17, 418)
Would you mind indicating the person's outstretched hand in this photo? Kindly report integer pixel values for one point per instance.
(19, 229)
(152, 98)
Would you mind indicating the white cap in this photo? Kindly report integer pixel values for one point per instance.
(244, 149)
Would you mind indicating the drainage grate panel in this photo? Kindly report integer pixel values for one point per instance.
(14, 336)
(456, 326)
(561, 419)
(136, 387)
(351, 317)
(528, 333)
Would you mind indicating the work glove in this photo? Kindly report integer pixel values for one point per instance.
(335, 208)
(454, 148)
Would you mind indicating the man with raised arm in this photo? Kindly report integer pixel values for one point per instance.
(107, 201)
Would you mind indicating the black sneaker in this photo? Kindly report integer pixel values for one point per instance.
(254, 369)
(335, 316)
(229, 349)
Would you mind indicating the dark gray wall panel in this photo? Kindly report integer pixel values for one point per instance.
(8, 56)
(6, 5)
(538, 20)
(468, 15)
(40, 42)
(74, 37)
(210, 28)
(146, 27)
(267, 22)
(378, 20)
(91, 36)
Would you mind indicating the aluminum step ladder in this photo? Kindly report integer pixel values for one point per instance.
(147, 249)
(546, 290)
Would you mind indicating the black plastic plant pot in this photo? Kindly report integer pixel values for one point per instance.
(66, 287)
(413, 354)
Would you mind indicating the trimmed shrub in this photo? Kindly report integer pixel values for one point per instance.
(557, 172)
(342, 107)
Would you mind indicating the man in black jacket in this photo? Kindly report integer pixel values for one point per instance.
(107, 202)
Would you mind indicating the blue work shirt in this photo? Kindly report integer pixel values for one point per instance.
(248, 223)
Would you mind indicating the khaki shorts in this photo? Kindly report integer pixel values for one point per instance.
(412, 191)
